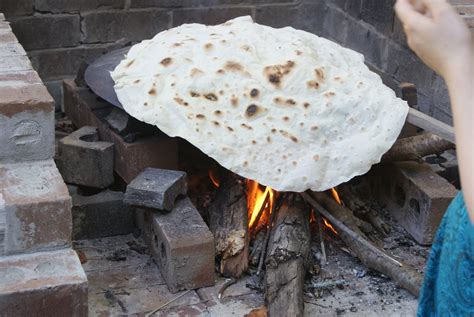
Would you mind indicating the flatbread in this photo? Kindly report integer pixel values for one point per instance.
(283, 107)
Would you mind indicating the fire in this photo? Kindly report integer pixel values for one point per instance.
(213, 178)
(335, 195)
(259, 202)
(329, 226)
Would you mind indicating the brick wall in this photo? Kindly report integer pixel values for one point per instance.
(60, 34)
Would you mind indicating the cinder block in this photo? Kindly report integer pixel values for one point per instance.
(134, 25)
(43, 284)
(101, 215)
(156, 188)
(16, 7)
(60, 6)
(11, 49)
(36, 205)
(209, 16)
(56, 31)
(417, 197)
(84, 160)
(182, 245)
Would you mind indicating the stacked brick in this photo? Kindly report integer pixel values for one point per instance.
(39, 273)
(74, 31)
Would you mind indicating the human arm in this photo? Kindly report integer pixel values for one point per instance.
(440, 38)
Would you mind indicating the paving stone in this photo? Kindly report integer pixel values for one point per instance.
(156, 188)
(134, 25)
(37, 207)
(182, 245)
(101, 215)
(56, 31)
(43, 284)
(84, 160)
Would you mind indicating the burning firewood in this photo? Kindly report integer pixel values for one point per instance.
(415, 147)
(228, 222)
(370, 255)
(286, 260)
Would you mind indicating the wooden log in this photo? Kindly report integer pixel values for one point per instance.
(286, 260)
(430, 124)
(370, 255)
(228, 221)
(415, 147)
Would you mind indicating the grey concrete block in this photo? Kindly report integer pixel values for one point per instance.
(156, 188)
(335, 24)
(47, 31)
(55, 88)
(379, 13)
(43, 284)
(11, 49)
(36, 205)
(68, 6)
(210, 16)
(278, 16)
(134, 25)
(15, 63)
(84, 160)
(101, 215)
(182, 245)
(16, 7)
(26, 118)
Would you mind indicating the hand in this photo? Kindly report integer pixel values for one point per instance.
(436, 33)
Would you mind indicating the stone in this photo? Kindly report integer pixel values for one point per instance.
(156, 188)
(134, 25)
(36, 207)
(131, 158)
(16, 7)
(101, 215)
(43, 284)
(182, 245)
(417, 197)
(55, 30)
(84, 160)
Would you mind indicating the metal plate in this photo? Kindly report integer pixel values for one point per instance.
(97, 75)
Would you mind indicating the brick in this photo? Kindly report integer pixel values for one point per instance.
(55, 88)
(6, 36)
(353, 7)
(134, 25)
(26, 119)
(311, 17)
(209, 16)
(379, 13)
(68, 6)
(56, 31)
(182, 245)
(277, 16)
(15, 64)
(101, 215)
(417, 197)
(199, 3)
(16, 7)
(335, 24)
(84, 160)
(11, 49)
(37, 207)
(156, 188)
(43, 284)
(60, 63)
(158, 150)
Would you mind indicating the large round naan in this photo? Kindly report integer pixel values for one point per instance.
(283, 107)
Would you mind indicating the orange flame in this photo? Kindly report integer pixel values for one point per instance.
(259, 202)
(335, 195)
(213, 178)
(329, 226)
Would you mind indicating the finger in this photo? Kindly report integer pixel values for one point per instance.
(407, 12)
(435, 7)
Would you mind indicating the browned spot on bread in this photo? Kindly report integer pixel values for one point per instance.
(200, 116)
(254, 142)
(208, 46)
(294, 139)
(319, 74)
(194, 94)
(314, 128)
(274, 130)
(301, 124)
(269, 139)
(223, 41)
(211, 97)
(337, 78)
(221, 92)
(213, 34)
(254, 93)
(220, 71)
(290, 102)
(275, 73)
(306, 104)
(329, 94)
(246, 164)
(360, 84)
(136, 81)
(298, 52)
(181, 102)
(197, 130)
(243, 125)
(217, 112)
(145, 104)
(196, 71)
(177, 44)
(277, 100)
(312, 84)
(251, 110)
(288, 135)
(130, 63)
(285, 118)
(246, 48)
(294, 163)
(173, 84)
(152, 92)
(216, 123)
(166, 61)
(230, 129)
(234, 101)
(233, 66)
(284, 157)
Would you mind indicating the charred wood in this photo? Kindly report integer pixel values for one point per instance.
(370, 255)
(228, 222)
(415, 147)
(287, 260)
